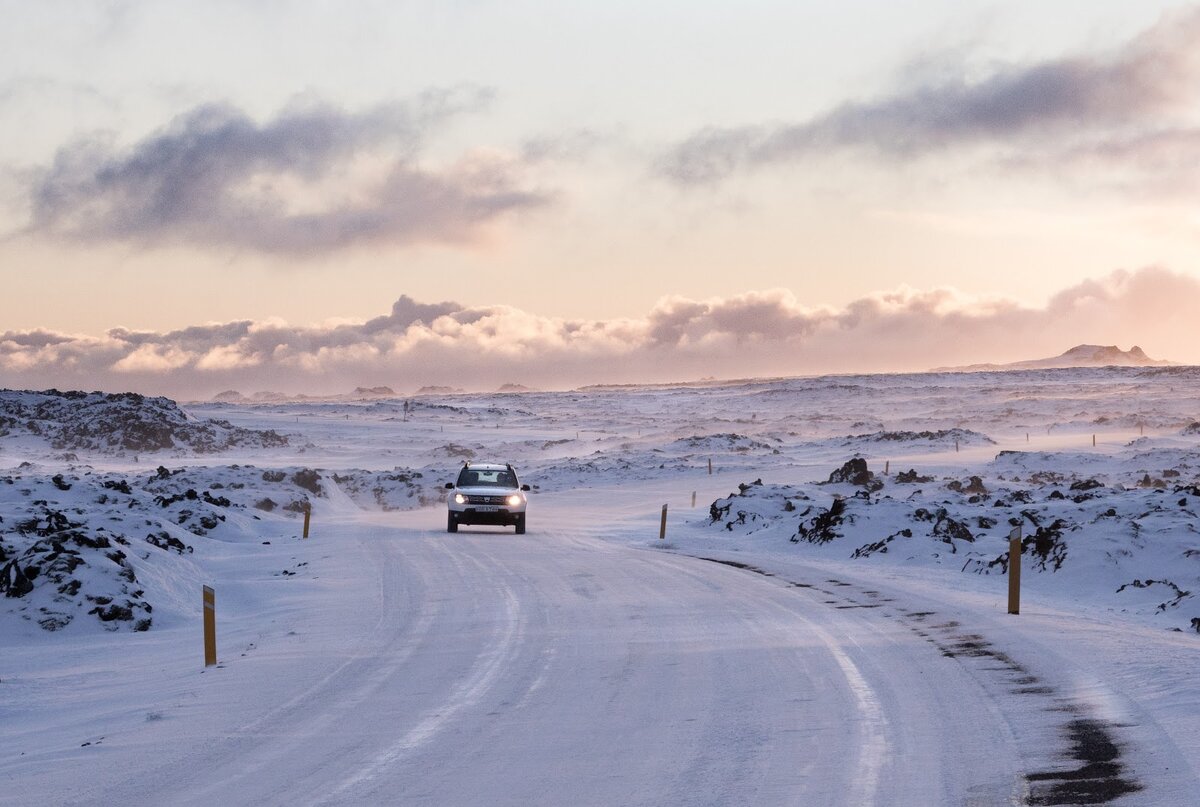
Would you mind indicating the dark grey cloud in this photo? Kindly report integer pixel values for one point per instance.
(214, 177)
(1151, 77)
(1158, 164)
(756, 333)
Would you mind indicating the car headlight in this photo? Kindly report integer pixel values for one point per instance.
(459, 498)
(514, 500)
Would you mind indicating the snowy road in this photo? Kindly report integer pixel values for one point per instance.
(556, 668)
(405, 665)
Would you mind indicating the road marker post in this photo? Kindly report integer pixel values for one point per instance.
(693, 498)
(886, 465)
(955, 445)
(210, 627)
(307, 516)
(1093, 441)
(662, 527)
(1014, 570)
(710, 466)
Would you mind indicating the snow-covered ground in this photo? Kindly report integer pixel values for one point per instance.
(794, 640)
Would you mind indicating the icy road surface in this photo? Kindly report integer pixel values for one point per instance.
(416, 667)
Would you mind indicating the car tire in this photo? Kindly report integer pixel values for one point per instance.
(451, 524)
(520, 524)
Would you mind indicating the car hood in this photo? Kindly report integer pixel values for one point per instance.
(487, 491)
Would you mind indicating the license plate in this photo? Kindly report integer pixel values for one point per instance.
(486, 508)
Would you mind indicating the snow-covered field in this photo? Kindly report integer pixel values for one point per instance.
(812, 631)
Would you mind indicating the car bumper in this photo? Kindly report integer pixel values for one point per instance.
(501, 517)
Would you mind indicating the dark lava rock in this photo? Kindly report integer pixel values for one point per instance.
(949, 530)
(823, 527)
(124, 422)
(166, 541)
(855, 472)
(880, 546)
(973, 486)
(310, 480)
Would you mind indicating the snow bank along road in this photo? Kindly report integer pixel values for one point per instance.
(558, 668)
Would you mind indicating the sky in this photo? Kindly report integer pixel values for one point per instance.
(312, 196)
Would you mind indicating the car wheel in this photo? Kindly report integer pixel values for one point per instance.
(521, 524)
(451, 524)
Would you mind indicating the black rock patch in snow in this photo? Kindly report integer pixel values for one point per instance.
(963, 436)
(948, 530)
(880, 546)
(1046, 546)
(399, 489)
(912, 477)
(973, 486)
(1180, 594)
(309, 480)
(855, 472)
(164, 540)
(57, 562)
(823, 527)
(123, 422)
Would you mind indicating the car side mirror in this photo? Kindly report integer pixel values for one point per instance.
(449, 486)
(524, 487)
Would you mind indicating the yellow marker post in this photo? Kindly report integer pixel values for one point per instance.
(1014, 570)
(1093, 441)
(307, 517)
(662, 528)
(210, 627)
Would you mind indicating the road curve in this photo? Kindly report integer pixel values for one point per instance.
(558, 669)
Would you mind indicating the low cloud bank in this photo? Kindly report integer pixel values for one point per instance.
(1128, 104)
(756, 333)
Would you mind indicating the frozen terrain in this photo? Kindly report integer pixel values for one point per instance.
(824, 624)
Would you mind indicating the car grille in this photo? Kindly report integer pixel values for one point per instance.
(487, 500)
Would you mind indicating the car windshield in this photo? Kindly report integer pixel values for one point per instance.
(477, 478)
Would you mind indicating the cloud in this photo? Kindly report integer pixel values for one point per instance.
(313, 179)
(752, 334)
(1149, 79)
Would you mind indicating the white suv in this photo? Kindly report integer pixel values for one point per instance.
(486, 494)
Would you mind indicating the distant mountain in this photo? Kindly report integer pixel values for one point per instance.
(1078, 356)
(515, 388)
(230, 396)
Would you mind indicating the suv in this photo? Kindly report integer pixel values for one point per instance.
(486, 494)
